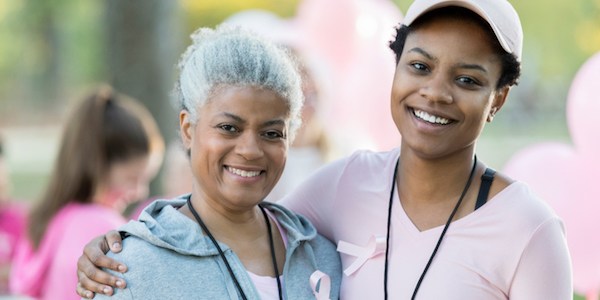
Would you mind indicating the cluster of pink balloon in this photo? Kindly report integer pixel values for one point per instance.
(566, 176)
(348, 39)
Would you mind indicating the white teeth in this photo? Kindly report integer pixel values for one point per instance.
(243, 173)
(430, 118)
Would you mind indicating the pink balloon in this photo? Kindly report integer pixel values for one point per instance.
(531, 165)
(566, 177)
(355, 42)
(583, 106)
(328, 27)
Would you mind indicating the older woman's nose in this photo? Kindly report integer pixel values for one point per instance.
(249, 146)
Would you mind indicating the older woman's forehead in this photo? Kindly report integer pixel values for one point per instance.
(247, 96)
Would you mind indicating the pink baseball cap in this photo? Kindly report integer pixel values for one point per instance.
(499, 14)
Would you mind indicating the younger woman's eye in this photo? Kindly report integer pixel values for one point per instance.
(467, 81)
(419, 66)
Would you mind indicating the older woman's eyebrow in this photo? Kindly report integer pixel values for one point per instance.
(278, 122)
(233, 116)
(241, 120)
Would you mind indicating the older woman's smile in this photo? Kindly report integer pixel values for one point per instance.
(243, 173)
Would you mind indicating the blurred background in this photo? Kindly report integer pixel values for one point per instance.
(52, 52)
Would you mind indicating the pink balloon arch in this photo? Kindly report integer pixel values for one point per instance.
(566, 176)
(347, 49)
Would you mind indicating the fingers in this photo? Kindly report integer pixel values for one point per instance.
(87, 288)
(113, 240)
(94, 257)
(82, 292)
(93, 280)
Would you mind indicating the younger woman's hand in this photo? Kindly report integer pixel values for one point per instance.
(92, 279)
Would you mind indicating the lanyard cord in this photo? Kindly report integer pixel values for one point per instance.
(387, 237)
(275, 268)
(222, 255)
(464, 192)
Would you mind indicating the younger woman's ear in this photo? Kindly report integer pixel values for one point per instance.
(491, 114)
(186, 128)
(498, 102)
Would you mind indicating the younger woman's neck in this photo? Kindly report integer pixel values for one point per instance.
(432, 180)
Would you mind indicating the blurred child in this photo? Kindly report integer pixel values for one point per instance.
(13, 217)
(177, 179)
(104, 162)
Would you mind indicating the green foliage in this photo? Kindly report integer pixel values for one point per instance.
(213, 12)
(47, 49)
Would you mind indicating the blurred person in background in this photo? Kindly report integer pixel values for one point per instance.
(177, 178)
(13, 220)
(106, 160)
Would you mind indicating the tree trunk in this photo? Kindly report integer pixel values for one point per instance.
(143, 41)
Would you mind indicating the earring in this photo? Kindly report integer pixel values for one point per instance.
(492, 114)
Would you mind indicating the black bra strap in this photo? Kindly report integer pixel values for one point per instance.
(484, 190)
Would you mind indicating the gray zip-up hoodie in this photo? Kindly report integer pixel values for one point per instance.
(168, 257)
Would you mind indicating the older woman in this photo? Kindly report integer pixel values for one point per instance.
(240, 100)
(428, 220)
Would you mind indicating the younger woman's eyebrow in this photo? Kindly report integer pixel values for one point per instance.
(472, 67)
(423, 52)
(461, 65)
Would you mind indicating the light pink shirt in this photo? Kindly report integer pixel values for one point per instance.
(266, 286)
(50, 272)
(513, 247)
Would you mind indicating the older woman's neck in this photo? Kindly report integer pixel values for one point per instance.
(227, 223)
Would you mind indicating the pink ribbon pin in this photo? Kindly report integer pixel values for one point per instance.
(375, 247)
(324, 282)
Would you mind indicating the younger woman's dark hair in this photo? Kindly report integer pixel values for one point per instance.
(511, 67)
(104, 129)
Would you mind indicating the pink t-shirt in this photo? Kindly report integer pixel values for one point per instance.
(13, 221)
(513, 247)
(50, 272)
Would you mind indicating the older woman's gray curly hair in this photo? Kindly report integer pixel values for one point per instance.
(233, 56)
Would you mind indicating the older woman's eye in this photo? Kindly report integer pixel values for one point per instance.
(228, 128)
(274, 134)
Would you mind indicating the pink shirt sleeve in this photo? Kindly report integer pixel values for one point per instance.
(315, 198)
(544, 271)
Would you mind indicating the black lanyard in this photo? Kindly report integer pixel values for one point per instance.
(389, 223)
(222, 255)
